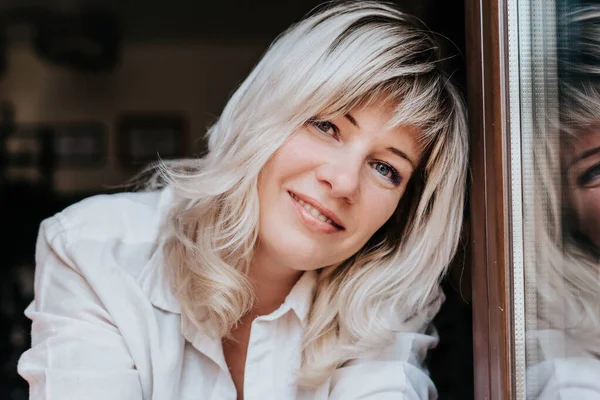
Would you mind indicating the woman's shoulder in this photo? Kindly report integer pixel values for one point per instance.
(130, 216)
(122, 229)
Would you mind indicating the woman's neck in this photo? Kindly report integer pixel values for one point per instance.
(272, 283)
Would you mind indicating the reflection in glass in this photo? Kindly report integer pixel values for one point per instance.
(563, 353)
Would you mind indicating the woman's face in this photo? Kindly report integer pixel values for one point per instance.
(583, 174)
(331, 186)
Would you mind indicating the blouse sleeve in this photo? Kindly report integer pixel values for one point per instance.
(395, 372)
(76, 350)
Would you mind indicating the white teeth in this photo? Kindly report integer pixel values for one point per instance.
(313, 211)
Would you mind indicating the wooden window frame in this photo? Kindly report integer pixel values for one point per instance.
(490, 246)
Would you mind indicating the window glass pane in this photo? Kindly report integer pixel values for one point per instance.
(554, 80)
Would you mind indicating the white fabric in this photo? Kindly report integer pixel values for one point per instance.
(565, 369)
(106, 325)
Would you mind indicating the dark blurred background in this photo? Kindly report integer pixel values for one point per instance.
(92, 90)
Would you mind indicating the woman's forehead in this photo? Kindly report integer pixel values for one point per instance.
(585, 141)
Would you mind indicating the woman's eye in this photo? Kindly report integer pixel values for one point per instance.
(591, 177)
(325, 127)
(387, 171)
(383, 169)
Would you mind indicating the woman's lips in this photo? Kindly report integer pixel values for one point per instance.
(313, 218)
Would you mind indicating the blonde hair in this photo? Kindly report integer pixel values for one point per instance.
(343, 56)
(568, 274)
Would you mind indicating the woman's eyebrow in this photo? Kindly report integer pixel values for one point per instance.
(584, 155)
(402, 154)
(394, 150)
(352, 120)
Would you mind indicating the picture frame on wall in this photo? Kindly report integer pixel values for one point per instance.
(147, 137)
(80, 144)
(62, 144)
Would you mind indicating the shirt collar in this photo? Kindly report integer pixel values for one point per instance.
(153, 278)
(155, 283)
(300, 297)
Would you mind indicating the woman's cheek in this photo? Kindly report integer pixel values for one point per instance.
(589, 214)
(382, 204)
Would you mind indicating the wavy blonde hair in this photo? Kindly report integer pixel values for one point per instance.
(343, 56)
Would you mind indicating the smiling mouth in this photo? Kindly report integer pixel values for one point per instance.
(314, 212)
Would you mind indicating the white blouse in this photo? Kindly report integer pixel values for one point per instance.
(106, 325)
(565, 371)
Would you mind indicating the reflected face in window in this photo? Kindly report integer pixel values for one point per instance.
(583, 177)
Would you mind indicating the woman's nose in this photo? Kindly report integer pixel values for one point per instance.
(341, 176)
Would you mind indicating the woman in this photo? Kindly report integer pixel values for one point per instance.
(299, 259)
